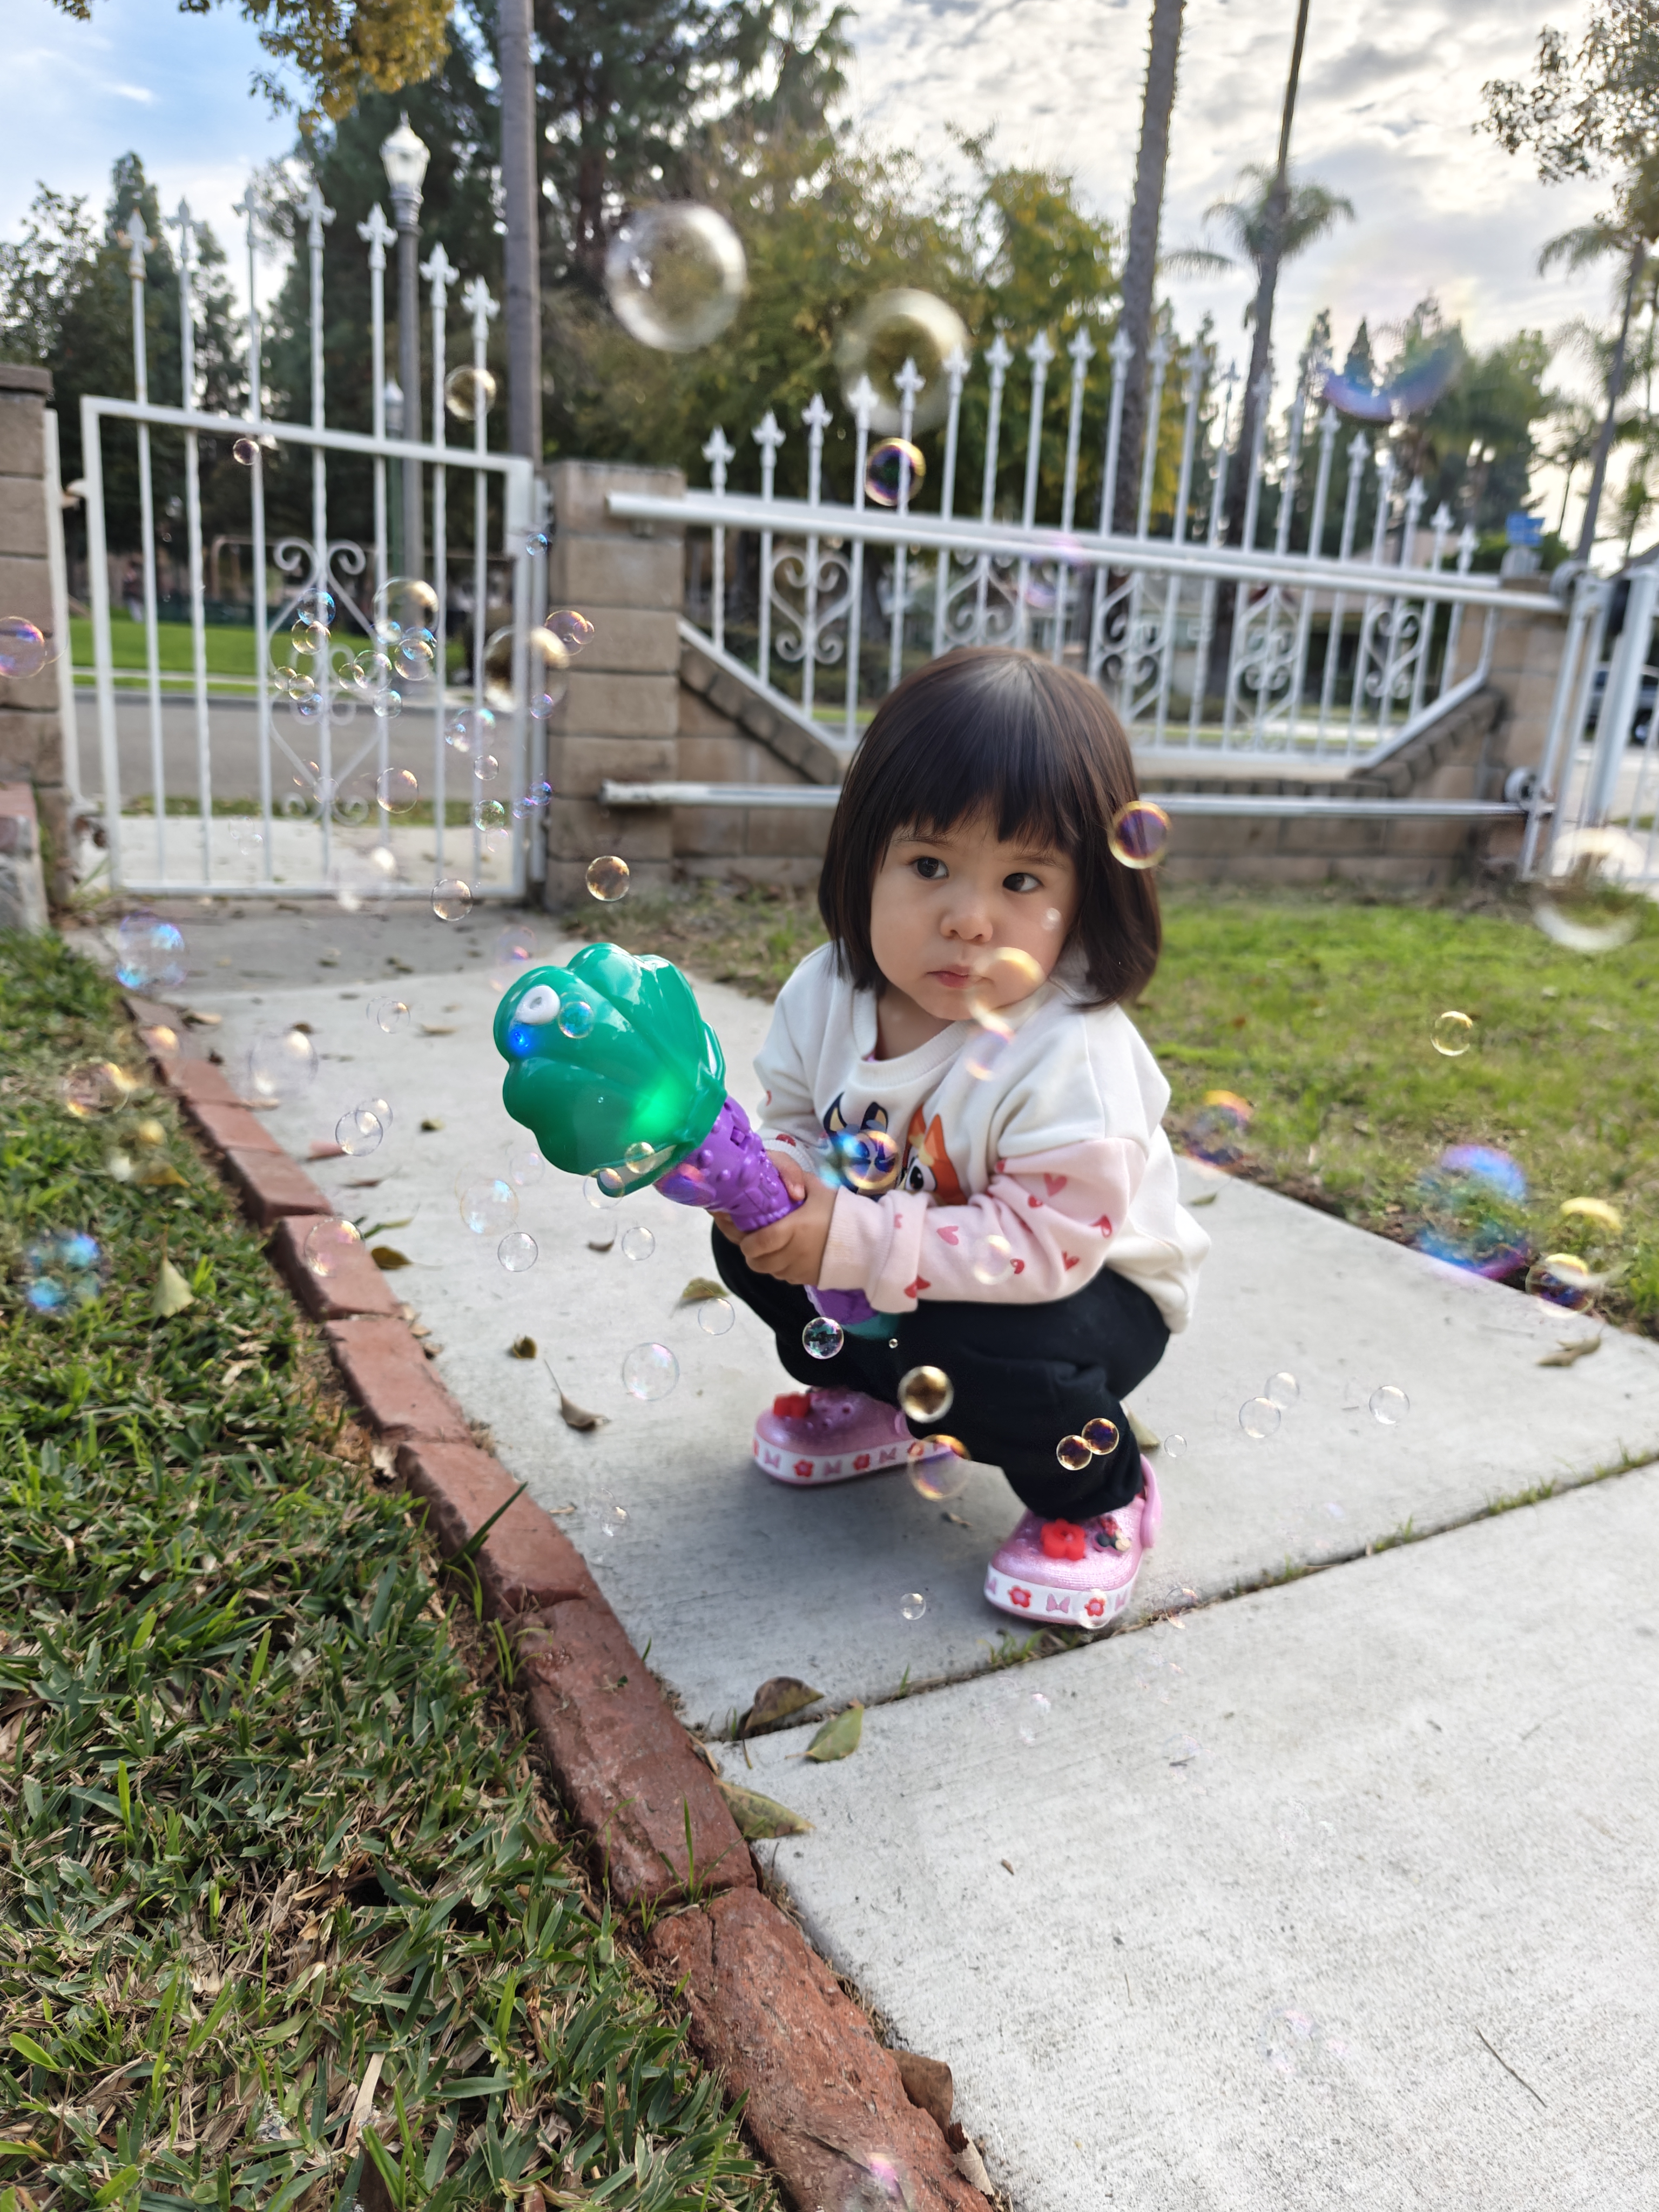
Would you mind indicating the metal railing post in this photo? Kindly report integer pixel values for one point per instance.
(717, 453)
(185, 227)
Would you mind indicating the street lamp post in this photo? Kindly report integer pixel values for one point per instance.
(404, 157)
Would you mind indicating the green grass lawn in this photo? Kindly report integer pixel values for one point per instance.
(1319, 1010)
(271, 1817)
(231, 653)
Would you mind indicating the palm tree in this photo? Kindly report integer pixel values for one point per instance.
(1140, 257)
(1628, 240)
(1573, 445)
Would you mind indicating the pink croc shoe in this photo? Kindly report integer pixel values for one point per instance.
(828, 1436)
(1078, 1572)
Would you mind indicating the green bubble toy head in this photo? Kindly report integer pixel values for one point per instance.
(610, 1066)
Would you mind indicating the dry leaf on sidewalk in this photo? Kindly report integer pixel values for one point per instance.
(387, 1258)
(575, 1416)
(1574, 1349)
(522, 1347)
(758, 1817)
(775, 1700)
(699, 1288)
(839, 1737)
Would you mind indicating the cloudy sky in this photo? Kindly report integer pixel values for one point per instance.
(1390, 89)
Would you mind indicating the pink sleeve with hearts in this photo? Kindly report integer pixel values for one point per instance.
(1055, 1213)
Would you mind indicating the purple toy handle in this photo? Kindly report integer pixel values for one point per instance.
(730, 1173)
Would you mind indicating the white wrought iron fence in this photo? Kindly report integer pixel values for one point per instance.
(1594, 800)
(335, 764)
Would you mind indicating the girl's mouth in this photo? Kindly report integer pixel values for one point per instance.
(953, 978)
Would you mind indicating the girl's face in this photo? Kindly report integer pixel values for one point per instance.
(963, 923)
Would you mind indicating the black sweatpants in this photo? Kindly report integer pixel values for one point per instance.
(1025, 1375)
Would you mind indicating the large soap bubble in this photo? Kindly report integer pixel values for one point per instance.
(891, 329)
(675, 276)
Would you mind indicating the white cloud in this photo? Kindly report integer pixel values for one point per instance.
(141, 93)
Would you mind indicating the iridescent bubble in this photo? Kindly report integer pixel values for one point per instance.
(894, 473)
(607, 877)
(469, 393)
(517, 1251)
(1259, 1417)
(489, 814)
(315, 605)
(601, 1195)
(869, 1160)
(538, 796)
(149, 953)
(309, 636)
(525, 1167)
(1562, 1278)
(280, 1063)
(389, 1015)
(536, 543)
(489, 1206)
(359, 1131)
(1474, 1209)
(1282, 1390)
(1139, 834)
(986, 1046)
(414, 657)
(245, 452)
(1072, 1453)
(364, 879)
(1031, 1716)
(649, 1371)
(1100, 1435)
(938, 1467)
(991, 1259)
(23, 648)
(893, 328)
(1390, 1404)
(485, 768)
(1174, 1445)
(329, 1245)
(386, 705)
(397, 789)
(638, 1243)
(452, 899)
(1219, 1132)
(912, 1605)
(1452, 1034)
(404, 603)
(715, 1316)
(60, 1272)
(1589, 898)
(674, 275)
(572, 630)
(379, 1108)
(822, 1338)
(575, 1018)
(542, 704)
(469, 731)
(926, 1393)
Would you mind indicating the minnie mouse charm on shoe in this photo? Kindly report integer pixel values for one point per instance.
(1080, 1572)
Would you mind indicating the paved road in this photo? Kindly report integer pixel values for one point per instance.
(1472, 1715)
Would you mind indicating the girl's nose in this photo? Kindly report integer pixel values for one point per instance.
(969, 921)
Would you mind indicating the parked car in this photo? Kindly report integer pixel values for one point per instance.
(1646, 699)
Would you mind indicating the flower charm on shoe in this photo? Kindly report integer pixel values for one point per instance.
(1109, 1537)
(1062, 1539)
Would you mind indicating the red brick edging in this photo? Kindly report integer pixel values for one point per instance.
(825, 2101)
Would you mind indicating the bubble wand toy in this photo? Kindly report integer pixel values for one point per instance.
(614, 1072)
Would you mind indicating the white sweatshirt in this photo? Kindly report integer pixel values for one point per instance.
(1059, 1152)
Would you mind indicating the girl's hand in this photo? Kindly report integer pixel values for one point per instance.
(793, 1248)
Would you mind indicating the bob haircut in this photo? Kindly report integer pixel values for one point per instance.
(1037, 752)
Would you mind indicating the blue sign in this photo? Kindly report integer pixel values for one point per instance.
(1524, 529)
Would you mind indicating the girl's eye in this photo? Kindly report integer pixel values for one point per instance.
(930, 868)
(1021, 880)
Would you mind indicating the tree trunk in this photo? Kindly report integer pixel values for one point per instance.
(1141, 261)
(521, 204)
(1272, 250)
(1615, 387)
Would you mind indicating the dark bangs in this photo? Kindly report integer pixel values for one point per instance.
(1033, 749)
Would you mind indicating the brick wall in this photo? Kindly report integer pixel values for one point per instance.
(31, 727)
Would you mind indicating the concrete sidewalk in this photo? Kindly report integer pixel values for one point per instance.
(1296, 2023)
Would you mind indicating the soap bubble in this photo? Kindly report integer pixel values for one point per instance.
(452, 899)
(892, 328)
(93, 1088)
(991, 1259)
(379, 1108)
(895, 471)
(926, 1393)
(1008, 975)
(468, 732)
(517, 1251)
(525, 1166)
(1588, 899)
(1217, 1133)
(358, 1131)
(532, 801)
(489, 814)
(1390, 1404)
(1416, 388)
(912, 1605)
(536, 544)
(938, 1467)
(60, 1272)
(1174, 1446)
(368, 673)
(149, 953)
(404, 603)
(1474, 1209)
(329, 1245)
(364, 879)
(674, 275)
(1259, 1417)
(469, 393)
(541, 704)
(414, 657)
(309, 636)
(389, 1015)
(599, 1196)
(869, 1160)
(386, 705)
(1562, 1278)
(1100, 1435)
(607, 877)
(1139, 834)
(489, 1206)
(1031, 1716)
(575, 1018)
(986, 1046)
(280, 1063)
(1282, 1390)
(650, 1370)
(638, 1243)
(715, 1316)
(315, 604)
(572, 630)
(1452, 1034)
(397, 789)
(1072, 1453)
(545, 659)
(485, 768)
(24, 650)
(245, 452)
(822, 1338)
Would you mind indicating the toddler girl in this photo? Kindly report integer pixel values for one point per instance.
(974, 1126)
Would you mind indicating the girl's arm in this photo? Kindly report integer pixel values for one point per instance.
(785, 1119)
(1055, 1213)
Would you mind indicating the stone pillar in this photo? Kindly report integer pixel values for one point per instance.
(1526, 660)
(31, 727)
(621, 716)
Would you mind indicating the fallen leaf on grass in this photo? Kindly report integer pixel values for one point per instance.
(757, 1817)
(522, 1347)
(699, 1288)
(774, 1701)
(574, 1416)
(839, 1737)
(160, 1176)
(1570, 1350)
(387, 1258)
(172, 1293)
